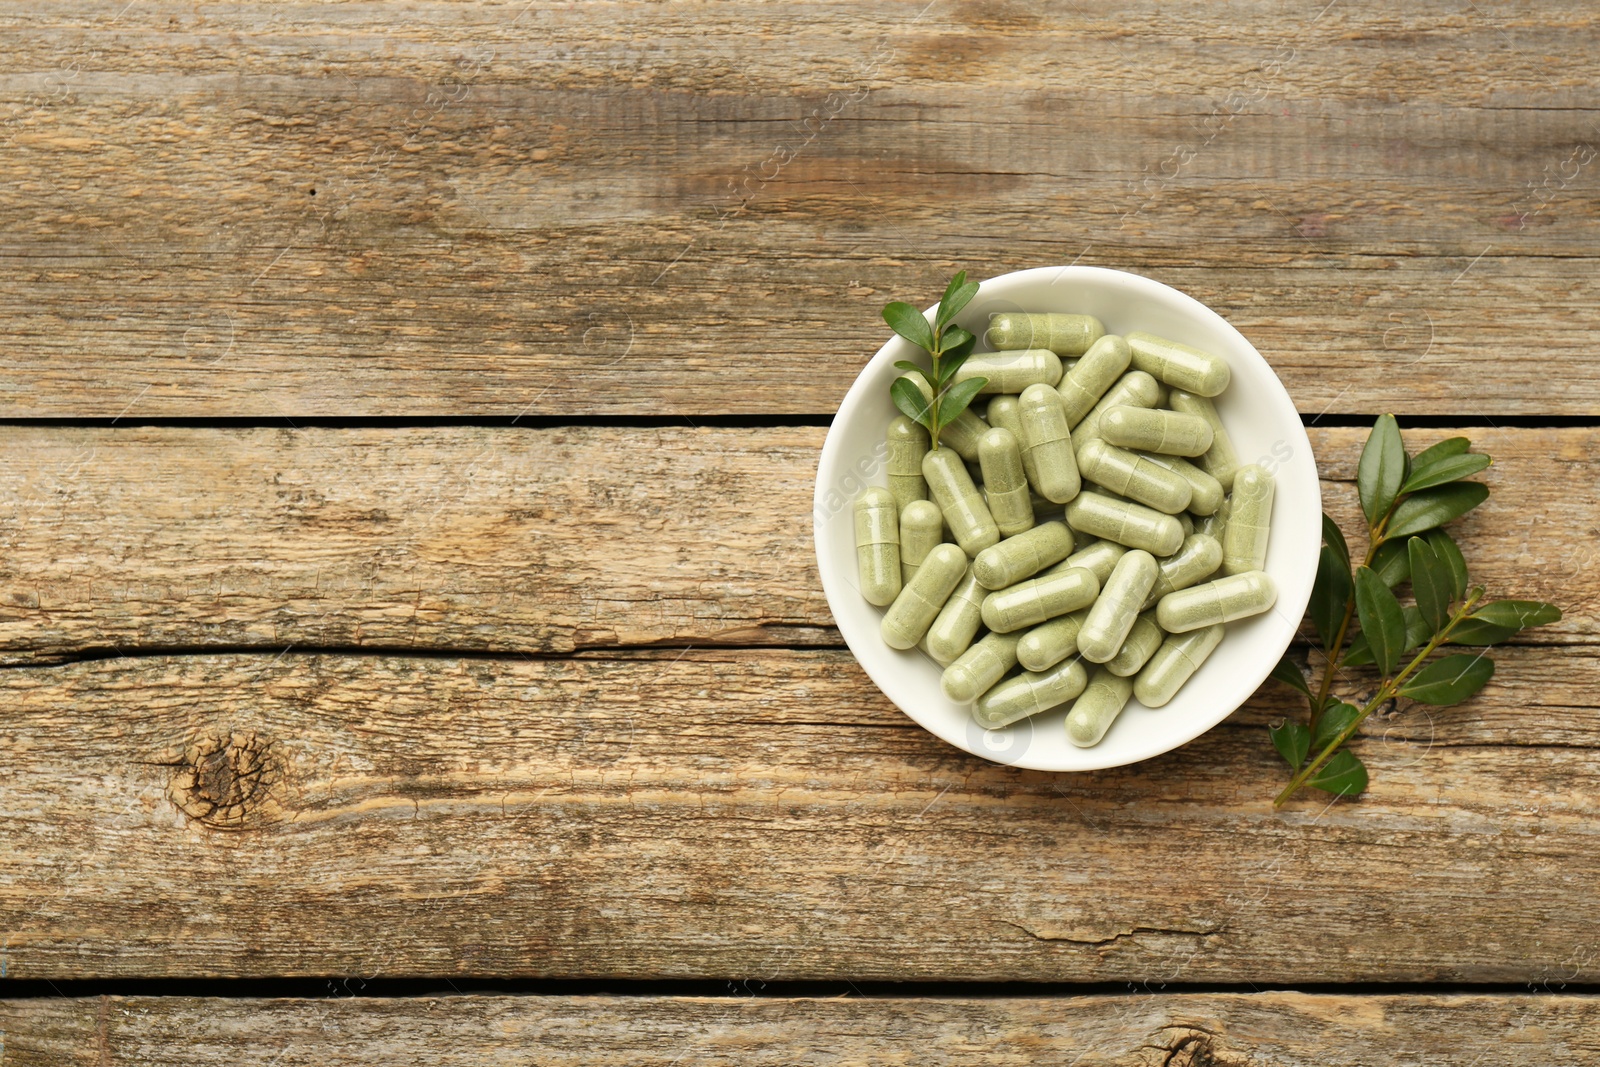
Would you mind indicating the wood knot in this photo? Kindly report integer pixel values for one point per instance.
(1192, 1050)
(225, 781)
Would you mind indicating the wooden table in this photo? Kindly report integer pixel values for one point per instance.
(414, 645)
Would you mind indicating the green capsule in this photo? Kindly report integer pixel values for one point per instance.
(1022, 556)
(1244, 547)
(1102, 701)
(979, 667)
(1215, 524)
(1002, 411)
(961, 434)
(1099, 556)
(1117, 606)
(914, 610)
(1175, 663)
(921, 528)
(1128, 524)
(1005, 485)
(964, 434)
(908, 443)
(1029, 693)
(1047, 444)
(1186, 522)
(1065, 335)
(1144, 637)
(1088, 379)
(1205, 492)
(1220, 460)
(1051, 641)
(1037, 599)
(1237, 596)
(878, 546)
(970, 522)
(1179, 365)
(957, 623)
(1133, 476)
(1134, 389)
(1011, 372)
(1171, 433)
(1197, 559)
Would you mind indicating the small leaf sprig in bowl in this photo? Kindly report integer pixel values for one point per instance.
(1405, 501)
(949, 345)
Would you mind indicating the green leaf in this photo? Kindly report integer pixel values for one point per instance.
(1449, 554)
(1435, 507)
(909, 399)
(1470, 631)
(1382, 468)
(1393, 563)
(1330, 595)
(1333, 537)
(1519, 614)
(954, 341)
(1449, 469)
(1450, 680)
(1450, 446)
(1417, 630)
(957, 295)
(953, 338)
(911, 368)
(957, 280)
(1288, 672)
(1417, 633)
(1431, 584)
(949, 363)
(908, 322)
(1381, 620)
(956, 398)
(963, 349)
(1496, 621)
(1343, 775)
(1331, 723)
(1292, 740)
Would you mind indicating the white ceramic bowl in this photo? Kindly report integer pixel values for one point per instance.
(1265, 428)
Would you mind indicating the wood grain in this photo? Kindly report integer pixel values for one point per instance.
(432, 208)
(506, 540)
(1138, 1030)
(763, 815)
(543, 541)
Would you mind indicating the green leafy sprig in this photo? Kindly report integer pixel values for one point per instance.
(1404, 500)
(949, 345)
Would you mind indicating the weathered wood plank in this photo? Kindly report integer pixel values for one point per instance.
(759, 814)
(507, 539)
(493, 209)
(1187, 1030)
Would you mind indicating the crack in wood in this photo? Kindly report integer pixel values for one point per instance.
(1130, 934)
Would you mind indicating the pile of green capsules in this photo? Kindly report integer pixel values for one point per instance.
(1162, 542)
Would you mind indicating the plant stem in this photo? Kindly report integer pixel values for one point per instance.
(1374, 539)
(933, 405)
(1386, 692)
(1333, 660)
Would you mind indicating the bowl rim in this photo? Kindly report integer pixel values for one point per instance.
(1293, 595)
